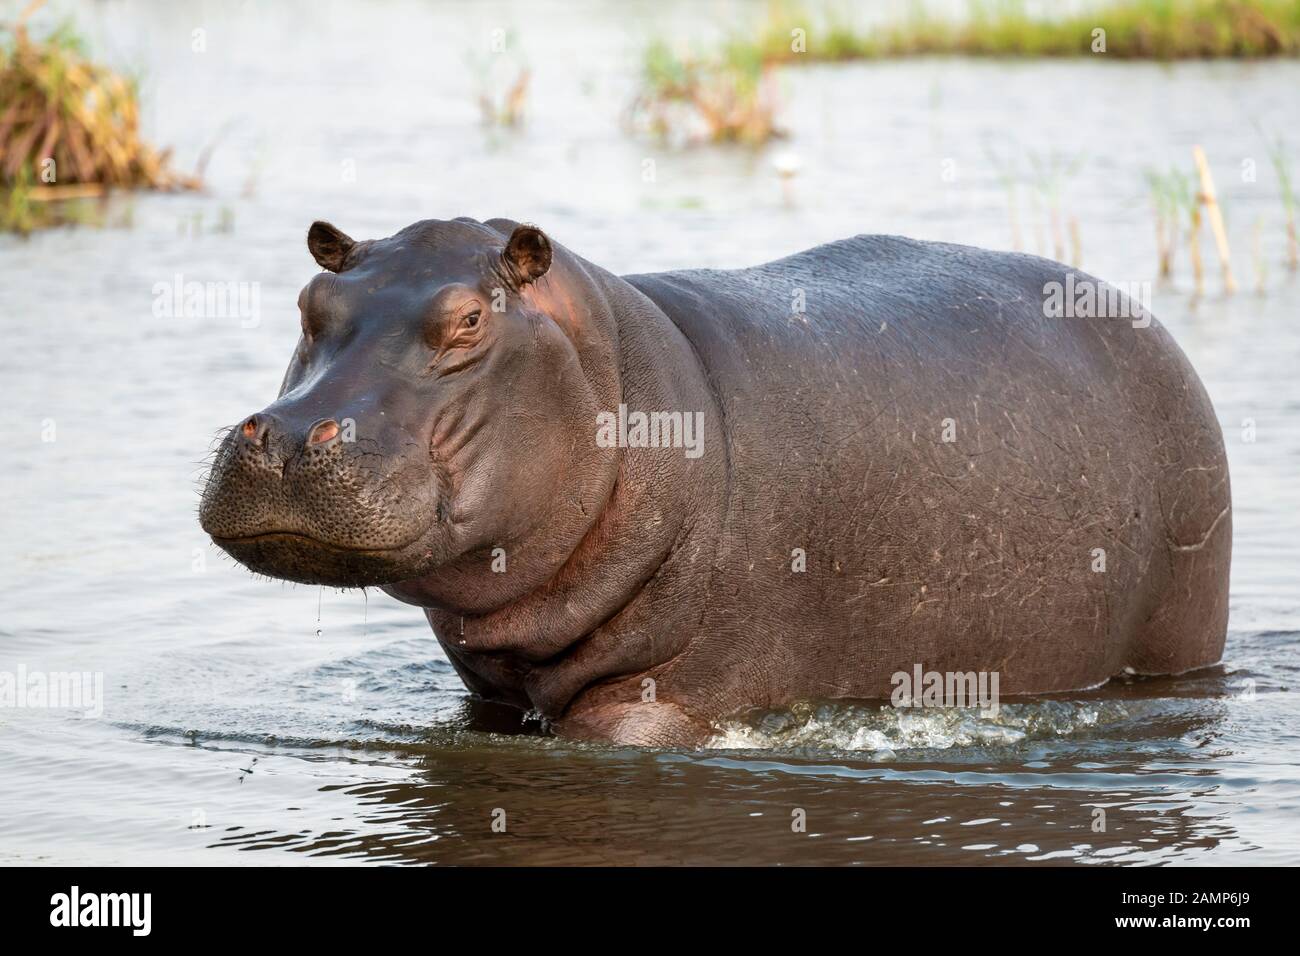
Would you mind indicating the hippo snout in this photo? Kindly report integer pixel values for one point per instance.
(264, 432)
(314, 499)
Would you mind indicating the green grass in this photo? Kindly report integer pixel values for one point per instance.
(726, 87)
(1282, 168)
(1134, 29)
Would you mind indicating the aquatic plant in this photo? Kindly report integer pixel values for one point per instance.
(502, 79)
(1179, 201)
(731, 94)
(1194, 247)
(1050, 174)
(1208, 199)
(1178, 208)
(1009, 178)
(1282, 168)
(69, 129)
(1165, 206)
(1145, 29)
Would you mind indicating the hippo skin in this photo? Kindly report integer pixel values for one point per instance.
(907, 459)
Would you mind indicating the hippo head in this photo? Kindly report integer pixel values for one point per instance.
(440, 405)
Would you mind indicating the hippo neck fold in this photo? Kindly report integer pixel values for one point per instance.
(592, 619)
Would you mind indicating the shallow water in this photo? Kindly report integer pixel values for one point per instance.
(257, 722)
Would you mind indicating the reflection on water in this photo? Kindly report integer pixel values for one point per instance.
(1180, 768)
(1036, 801)
(250, 721)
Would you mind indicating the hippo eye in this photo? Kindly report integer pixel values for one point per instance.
(456, 329)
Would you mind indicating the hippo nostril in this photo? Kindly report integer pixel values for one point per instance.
(322, 432)
(254, 430)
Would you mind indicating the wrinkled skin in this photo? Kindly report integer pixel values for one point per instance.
(474, 441)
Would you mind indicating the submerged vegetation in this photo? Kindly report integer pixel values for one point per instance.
(69, 130)
(1143, 29)
(1282, 168)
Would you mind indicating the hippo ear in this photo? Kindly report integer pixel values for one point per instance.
(527, 255)
(329, 245)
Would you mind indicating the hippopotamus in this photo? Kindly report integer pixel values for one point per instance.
(638, 505)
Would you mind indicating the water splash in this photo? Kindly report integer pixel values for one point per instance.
(885, 729)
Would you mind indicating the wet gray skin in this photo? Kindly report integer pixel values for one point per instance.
(920, 467)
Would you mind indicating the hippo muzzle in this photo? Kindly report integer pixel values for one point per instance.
(299, 496)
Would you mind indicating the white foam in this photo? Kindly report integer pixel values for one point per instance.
(884, 730)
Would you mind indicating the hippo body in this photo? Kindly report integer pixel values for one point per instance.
(905, 460)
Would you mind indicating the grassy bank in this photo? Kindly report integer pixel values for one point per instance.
(726, 93)
(1134, 29)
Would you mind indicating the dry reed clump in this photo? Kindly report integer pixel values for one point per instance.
(69, 129)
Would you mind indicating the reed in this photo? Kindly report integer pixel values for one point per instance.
(1185, 215)
(731, 95)
(1208, 198)
(502, 78)
(1277, 154)
(1009, 178)
(69, 129)
(1172, 201)
(1050, 174)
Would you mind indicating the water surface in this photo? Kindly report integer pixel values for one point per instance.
(247, 721)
